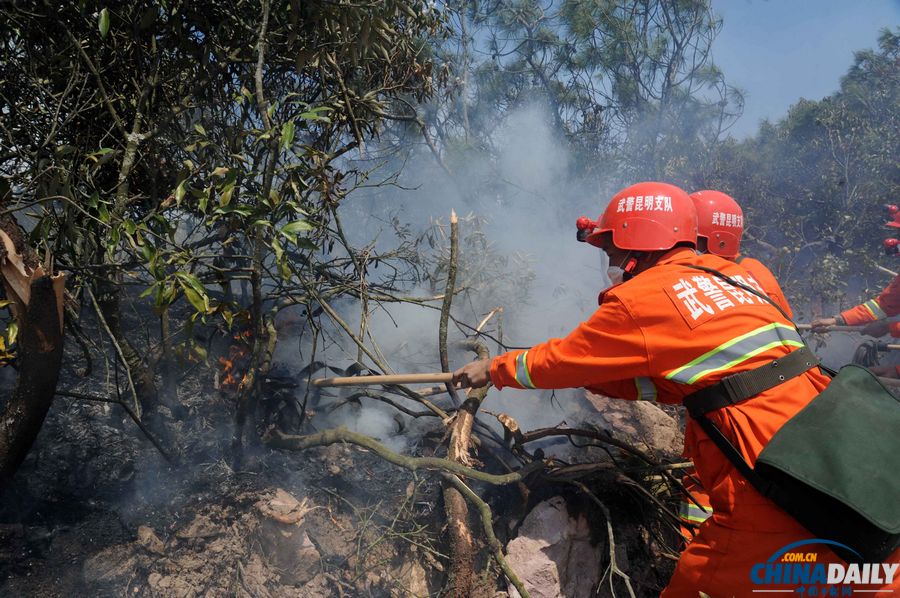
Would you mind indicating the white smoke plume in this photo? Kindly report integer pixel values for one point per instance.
(528, 199)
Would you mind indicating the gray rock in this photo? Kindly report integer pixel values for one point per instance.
(640, 423)
(553, 554)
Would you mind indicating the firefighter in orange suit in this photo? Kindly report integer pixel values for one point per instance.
(720, 226)
(665, 332)
(872, 313)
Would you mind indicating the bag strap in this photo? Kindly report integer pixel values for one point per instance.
(745, 287)
(744, 385)
(832, 373)
(740, 387)
(762, 485)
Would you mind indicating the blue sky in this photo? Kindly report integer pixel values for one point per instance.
(778, 51)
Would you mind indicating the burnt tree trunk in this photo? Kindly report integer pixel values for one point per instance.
(40, 344)
(37, 306)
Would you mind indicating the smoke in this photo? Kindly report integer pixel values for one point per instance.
(518, 201)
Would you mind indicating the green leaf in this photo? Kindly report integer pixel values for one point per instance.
(97, 156)
(5, 303)
(195, 299)
(12, 332)
(220, 171)
(200, 351)
(103, 22)
(199, 128)
(148, 251)
(241, 210)
(292, 229)
(225, 195)
(180, 191)
(104, 213)
(304, 243)
(284, 270)
(148, 292)
(297, 226)
(287, 134)
(277, 248)
(314, 116)
(192, 281)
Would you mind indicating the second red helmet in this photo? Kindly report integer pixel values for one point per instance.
(720, 222)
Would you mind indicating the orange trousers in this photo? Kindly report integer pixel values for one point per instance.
(719, 560)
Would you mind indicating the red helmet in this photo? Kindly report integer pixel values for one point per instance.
(648, 217)
(894, 212)
(720, 222)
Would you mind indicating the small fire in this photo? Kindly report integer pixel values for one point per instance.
(236, 353)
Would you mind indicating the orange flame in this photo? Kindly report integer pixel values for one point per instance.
(235, 352)
(231, 378)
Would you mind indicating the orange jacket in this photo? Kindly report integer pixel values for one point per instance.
(766, 280)
(666, 333)
(885, 305)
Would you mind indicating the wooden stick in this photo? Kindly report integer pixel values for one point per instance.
(889, 381)
(831, 328)
(885, 270)
(446, 378)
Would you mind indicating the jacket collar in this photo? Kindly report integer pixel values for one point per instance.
(678, 255)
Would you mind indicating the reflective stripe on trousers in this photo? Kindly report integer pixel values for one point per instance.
(688, 511)
(646, 390)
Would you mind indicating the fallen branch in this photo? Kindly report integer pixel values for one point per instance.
(462, 545)
(613, 569)
(355, 397)
(278, 439)
(484, 510)
(606, 439)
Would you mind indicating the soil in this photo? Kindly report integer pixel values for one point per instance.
(96, 511)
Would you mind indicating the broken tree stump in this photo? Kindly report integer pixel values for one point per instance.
(37, 307)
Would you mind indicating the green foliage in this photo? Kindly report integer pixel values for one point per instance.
(815, 184)
(190, 154)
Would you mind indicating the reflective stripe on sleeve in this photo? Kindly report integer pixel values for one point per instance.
(688, 511)
(736, 351)
(874, 308)
(646, 390)
(522, 375)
